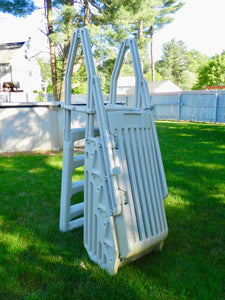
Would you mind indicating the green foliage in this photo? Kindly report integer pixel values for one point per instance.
(188, 80)
(18, 8)
(212, 73)
(195, 60)
(45, 69)
(173, 61)
(79, 81)
(180, 65)
(168, 8)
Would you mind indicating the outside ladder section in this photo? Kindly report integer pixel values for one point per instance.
(95, 98)
(71, 215)
(69, 212)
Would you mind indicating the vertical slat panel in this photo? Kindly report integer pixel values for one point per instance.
(148, 182)
(143, 193)
(86, 211)
(131, 168)
(124, 160)
(152, 181)
(95, 235)
(156, 178)
(90, 216)
(159, 181)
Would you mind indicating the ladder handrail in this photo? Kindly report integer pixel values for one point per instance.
(95, 101)
(70, 65)
(126, 44)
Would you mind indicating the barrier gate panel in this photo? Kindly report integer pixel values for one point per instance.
(142, 222)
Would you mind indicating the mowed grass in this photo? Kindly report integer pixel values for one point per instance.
(37, 261)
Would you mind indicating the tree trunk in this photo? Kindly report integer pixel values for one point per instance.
(48, 5)
(86, 13)
(151, 54)
(67, 45)
(140, 34)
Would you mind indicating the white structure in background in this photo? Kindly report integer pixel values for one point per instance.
(17, 66)
(126, 86)
(165, 86)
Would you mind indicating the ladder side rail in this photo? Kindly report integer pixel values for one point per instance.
(90, 68)
(70, 65)
(125, 45)
(68, 76)
(146, 97)
(137, 70)
(116, 71)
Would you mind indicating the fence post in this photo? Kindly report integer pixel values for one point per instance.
(216, 107)
(178, 109)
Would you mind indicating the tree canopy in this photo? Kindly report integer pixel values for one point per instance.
(108, 23)
(212, 73)
(18, 8)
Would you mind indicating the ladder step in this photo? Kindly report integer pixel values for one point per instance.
(78, 161)
(77, 186)
(76, 210)
(76, 223)
(96, 131)
(77, 134)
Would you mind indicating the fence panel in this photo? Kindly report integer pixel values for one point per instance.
(166, 107)
(202, 106)
(198, 106)
(220, 116)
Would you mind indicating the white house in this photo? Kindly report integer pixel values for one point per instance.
(126, 86)
(165, 86)
(17, 67)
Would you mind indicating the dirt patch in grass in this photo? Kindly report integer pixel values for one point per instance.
(79, 150)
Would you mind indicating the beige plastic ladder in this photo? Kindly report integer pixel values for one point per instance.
(124, 179)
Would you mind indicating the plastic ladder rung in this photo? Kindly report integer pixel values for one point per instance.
(77, 186)
(77, 134)
(76, 210)
(76, 223)
(78, 161)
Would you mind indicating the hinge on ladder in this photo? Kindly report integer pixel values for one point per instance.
(114, 141)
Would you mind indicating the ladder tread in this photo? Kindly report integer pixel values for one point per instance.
(77, 186)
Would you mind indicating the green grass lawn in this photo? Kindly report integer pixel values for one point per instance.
(39, 262)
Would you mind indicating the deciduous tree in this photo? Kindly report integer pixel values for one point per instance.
(164, 11)
(212, 73)
(173, 61)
